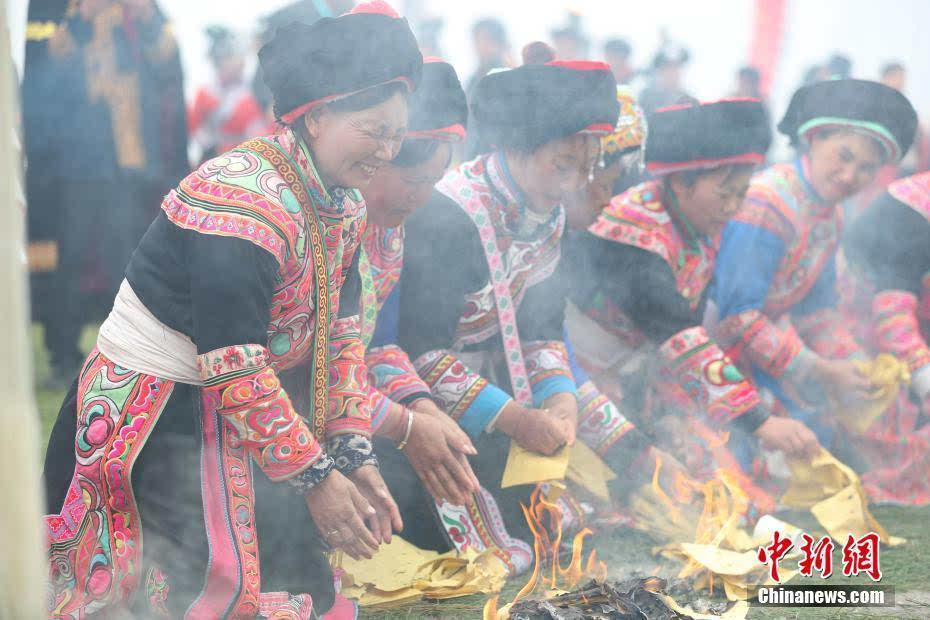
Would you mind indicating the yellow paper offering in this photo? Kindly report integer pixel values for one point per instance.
(577, 463)
(834, 495)
(816, 480)
(887, 374)
(589, 471)
(400, 573)
(525, 467)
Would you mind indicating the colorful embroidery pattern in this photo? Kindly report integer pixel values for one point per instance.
(754, 335)
(897, 330)
(393, 374)
(285, 317)
(284, 606)
(95, 542)
(233, 582)
(453, 385)
(515, 264)
(600, 423)
(545, 360)
(914, 191)
(781, 201)
(156, 592)
(349, 400)
(381, 258)
(253, 404)
(480, 526)
(708, 376)
(825, 333)
(638, 218)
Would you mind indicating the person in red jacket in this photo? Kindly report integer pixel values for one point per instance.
(225, 112)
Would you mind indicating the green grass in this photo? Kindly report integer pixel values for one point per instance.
(629, 553)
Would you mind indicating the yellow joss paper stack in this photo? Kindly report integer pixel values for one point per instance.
(400, 573)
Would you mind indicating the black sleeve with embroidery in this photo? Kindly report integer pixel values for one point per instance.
(643, 285)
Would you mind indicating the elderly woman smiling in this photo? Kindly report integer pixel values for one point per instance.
(223, 349)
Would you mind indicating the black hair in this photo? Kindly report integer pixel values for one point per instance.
(493, 27)
(368, 98)
(537, 53)
(416, 151)
(620, 47)
(891, 67)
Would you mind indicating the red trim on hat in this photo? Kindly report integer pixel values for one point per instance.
(580, 65)
(452, 133)
(429, 59)
(658, 167)
(379, 7)
(300, 110)
(684, 106)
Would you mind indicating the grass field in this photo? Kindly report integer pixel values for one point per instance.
(629, 554)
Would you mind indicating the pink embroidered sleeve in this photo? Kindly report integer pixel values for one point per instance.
(392, 373)
(349, 398)
(752, 336)
(707, 377)
(826, 334)
(393, 383)
(897, 331)
(245, 391)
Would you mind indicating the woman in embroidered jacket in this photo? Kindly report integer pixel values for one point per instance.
(223, 350)
(502, 208)
(889, 245)
(402, 409)
(638, 281)
(775, 277)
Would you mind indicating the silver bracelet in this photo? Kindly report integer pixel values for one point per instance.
(403, 442)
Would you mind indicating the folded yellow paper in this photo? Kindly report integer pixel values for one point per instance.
(526, 467)
(589, 471)
(887, 374)
(834, 495)
(815, 480)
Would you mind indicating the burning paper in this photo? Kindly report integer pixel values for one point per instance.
(632, 599)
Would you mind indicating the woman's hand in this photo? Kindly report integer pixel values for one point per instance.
(371, 485)
(339, 510)
(437, 450)
(564, 407)
(843, 380)
(789, 436)
(535, 429)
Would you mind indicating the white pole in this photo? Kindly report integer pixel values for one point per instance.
(23, 567)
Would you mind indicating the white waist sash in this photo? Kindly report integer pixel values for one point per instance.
(133, 338)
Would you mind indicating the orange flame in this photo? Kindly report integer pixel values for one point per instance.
(490, 609)
(547, 543)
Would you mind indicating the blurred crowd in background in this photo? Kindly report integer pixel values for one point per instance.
(111, 83)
